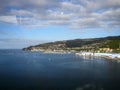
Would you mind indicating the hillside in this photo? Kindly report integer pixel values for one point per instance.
(94, 44)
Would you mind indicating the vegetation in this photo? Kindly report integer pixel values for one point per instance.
(107, 44)
(114, 44)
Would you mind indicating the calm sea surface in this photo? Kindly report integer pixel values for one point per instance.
(22, 70)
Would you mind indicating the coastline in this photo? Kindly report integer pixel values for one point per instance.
(51, 51)
(112, 56)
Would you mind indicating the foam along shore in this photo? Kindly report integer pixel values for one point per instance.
(104, 55)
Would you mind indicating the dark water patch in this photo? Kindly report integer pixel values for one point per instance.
(22, 70)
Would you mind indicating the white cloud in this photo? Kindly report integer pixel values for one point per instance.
(8, 19)
(74, 13)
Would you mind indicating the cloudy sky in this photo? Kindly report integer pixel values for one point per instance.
(30, 22)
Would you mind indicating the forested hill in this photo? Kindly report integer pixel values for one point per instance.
(112, 42)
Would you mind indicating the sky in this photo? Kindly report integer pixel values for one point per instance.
(29, 22)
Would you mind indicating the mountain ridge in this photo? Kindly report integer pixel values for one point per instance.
(111, 42)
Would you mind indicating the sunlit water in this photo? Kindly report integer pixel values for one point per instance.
(22, 70)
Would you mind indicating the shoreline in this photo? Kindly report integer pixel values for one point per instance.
(52, 51)
(112, 56)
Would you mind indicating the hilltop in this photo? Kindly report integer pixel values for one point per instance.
(106, 44)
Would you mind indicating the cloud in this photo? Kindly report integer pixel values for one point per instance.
(8, 19)
(86, 23)
(72, 13)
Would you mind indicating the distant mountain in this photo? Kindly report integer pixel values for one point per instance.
(112, 42)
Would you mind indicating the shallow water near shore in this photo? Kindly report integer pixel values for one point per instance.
(23, 70)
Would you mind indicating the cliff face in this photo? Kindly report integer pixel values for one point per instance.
(78, 44)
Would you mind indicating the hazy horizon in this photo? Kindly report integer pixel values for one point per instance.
(53, 41)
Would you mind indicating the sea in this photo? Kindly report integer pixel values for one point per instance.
(25, 70)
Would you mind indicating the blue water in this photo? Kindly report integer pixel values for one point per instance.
(23, 70)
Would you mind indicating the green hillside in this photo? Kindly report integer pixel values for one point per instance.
(93, 44)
